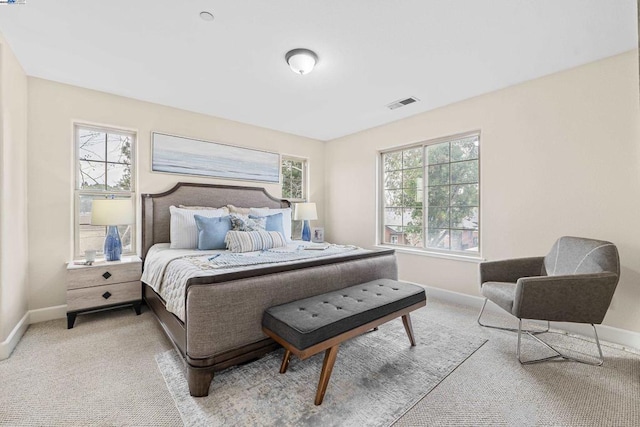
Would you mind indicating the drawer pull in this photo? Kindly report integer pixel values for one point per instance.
(106, 295)
(106, 275)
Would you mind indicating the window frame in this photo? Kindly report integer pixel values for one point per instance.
(424, 249)
(78, 192)
(296, 225)
(305, 177)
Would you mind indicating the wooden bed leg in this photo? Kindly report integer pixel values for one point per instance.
(199, 380)
(285, 361)
(327, 366)
(406, 320)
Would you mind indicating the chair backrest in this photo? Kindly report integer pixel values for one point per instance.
(577, 255)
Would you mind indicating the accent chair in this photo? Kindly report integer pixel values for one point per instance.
(574, 282)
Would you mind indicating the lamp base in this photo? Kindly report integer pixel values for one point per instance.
(112, 244)
(306, 231)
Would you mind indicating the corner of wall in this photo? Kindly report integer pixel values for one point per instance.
(13, 186)
(8, 345)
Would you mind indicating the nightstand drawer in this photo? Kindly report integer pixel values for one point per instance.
(99, 296)
(103, 274)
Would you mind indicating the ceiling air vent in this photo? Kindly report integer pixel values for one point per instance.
(402, 103)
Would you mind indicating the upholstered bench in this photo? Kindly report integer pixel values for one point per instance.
(311, 325)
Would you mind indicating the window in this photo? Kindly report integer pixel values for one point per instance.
(430, 195)
(294, 179)
(103, 168)
(294, 186)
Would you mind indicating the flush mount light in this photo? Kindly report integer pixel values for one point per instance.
(301, 61)
(206, 16)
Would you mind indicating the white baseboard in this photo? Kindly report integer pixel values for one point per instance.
(7, 346)
(32, 316)
(625, 338)
(48, 313)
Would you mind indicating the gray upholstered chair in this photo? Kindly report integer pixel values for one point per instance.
(573, 283)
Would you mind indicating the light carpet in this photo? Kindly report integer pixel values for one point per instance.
(492, 388)
(103, 372)
(376, 379)
(100, 373)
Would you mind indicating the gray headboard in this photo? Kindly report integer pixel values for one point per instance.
(155, 207)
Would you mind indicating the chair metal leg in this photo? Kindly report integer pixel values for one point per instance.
(507, 329)
(596, 362)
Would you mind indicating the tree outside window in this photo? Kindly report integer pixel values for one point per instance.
(294, 172)
(431, 195)
(294, 185)
(104, 168)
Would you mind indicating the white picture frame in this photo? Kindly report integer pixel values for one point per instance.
(317, 234)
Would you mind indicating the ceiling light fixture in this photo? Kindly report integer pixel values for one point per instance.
(301, 61)
(206, 16)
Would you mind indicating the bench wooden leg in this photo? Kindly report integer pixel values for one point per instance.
(285, 361)
(406, 320)
(327, 366)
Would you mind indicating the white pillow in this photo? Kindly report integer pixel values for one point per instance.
(183, 229)
(242, 211)
(286, 218)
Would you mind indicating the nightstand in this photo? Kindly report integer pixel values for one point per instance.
(103, 285)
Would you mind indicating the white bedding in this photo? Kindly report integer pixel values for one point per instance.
(168, 270)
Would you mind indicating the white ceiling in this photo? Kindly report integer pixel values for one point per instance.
(372, 52)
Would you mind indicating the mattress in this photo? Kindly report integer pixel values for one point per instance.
(168, 270)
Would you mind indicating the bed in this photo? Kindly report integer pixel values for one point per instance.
(221, 323)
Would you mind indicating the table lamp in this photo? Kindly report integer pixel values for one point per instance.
(306, 212)
(112, 212)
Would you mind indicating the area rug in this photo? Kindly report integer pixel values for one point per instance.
(377, 377)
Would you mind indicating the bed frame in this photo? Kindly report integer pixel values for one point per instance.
(223, 313)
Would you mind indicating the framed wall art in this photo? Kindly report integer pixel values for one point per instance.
(188, 156)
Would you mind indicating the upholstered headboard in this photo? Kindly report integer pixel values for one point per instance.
(155, 207)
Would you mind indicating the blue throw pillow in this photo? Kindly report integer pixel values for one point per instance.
(212, 231)
(274, 222)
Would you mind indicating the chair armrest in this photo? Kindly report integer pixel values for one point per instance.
(580, 298)
(510, 270)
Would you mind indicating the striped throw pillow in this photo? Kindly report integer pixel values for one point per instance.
(249, 241)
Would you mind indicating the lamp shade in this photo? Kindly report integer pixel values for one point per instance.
(305, 211)
(112, 212)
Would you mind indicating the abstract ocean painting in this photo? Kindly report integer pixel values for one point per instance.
(175, 154)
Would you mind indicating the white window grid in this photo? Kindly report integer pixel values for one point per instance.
(79, 193)
(394, 239)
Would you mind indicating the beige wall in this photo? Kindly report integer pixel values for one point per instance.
(560, 155)
(54, 107)
(13, 196)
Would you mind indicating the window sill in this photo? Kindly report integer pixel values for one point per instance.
(455, 257)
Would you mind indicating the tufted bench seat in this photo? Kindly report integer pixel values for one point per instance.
(311, 325)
